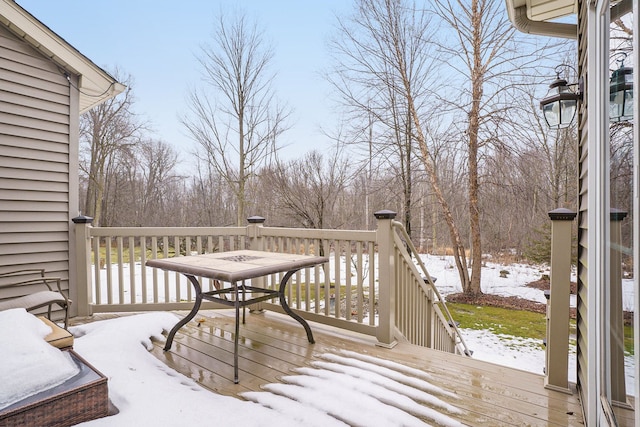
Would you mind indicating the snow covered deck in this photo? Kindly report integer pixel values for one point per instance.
(444, 389)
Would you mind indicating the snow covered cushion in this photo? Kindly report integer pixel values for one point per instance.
(28, 364)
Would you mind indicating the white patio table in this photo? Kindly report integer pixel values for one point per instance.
(235, 267)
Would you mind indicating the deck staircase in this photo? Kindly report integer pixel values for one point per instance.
(422, 316)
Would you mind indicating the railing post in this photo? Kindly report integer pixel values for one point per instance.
(256, 243)
(253, 232)
(82, 293)
(386, 279)
(616, 319)
(557, 357)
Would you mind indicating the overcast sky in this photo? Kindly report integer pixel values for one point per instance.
(156, 42)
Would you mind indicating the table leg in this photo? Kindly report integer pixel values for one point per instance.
(244, 307)
(287, 309)
(188, 317)
(235, 343)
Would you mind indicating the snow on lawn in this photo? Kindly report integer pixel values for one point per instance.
(519, 275)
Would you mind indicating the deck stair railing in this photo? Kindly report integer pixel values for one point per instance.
(352, 291)
(418, 292)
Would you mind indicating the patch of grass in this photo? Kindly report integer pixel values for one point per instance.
(628, 339)
(312, 291)
(519, 323)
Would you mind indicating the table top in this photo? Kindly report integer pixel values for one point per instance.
(236, 265)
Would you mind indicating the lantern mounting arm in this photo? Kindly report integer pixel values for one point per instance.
(578, 86)
(620, 57)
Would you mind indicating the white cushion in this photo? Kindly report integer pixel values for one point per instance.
(31, 301)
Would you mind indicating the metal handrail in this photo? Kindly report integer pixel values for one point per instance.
(399, 226)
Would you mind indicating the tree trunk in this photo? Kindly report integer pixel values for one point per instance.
(474, 126)
(459, 254)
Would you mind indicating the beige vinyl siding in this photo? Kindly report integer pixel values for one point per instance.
(581, 315)
(34, 160)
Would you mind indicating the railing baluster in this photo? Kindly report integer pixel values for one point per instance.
(373, 267)
(120, 270)
(177, 253)
(307, 279)
(154, 255)
(188, 251)
(143, 269)
(316, 280)
(360, 282)
(109, 272)
(347, 276)
(97, 260)
(132, 269)
(338, 279)
(165, 254)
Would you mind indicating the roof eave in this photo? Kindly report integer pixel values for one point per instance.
(520, 19)
(520, 13)
(94, 83)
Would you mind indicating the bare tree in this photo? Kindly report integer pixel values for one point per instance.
(208, 199)
(366, 80)
(309, 188)
(157, 178)
(478, 49)
(391, 49)
(236, 120)
(105, 130)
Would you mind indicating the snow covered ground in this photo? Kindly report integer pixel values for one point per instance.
(508, 350)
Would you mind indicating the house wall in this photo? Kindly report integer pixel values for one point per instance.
(38, 120)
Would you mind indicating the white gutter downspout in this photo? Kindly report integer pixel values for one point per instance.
(522, 22)
(636, 208)
(598, 396)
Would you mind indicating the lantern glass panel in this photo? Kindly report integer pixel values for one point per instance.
(567, 110)
(552, 114)
(616, 102)
(627, 111)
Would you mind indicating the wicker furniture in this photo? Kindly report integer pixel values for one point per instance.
(33, 290)
(83, 397)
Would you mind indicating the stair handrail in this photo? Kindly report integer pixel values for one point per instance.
(413, 250)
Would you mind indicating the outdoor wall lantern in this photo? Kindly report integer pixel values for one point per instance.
(560, 105)
(621, 93)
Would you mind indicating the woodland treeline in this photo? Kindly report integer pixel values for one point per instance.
(440, 122)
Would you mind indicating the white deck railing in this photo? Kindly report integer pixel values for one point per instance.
(367, 270)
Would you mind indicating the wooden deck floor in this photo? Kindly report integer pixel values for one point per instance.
(273, 346)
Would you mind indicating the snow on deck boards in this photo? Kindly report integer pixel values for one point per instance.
(277, 364)
(273, 347)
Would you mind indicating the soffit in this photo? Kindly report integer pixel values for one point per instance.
(545, 10)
